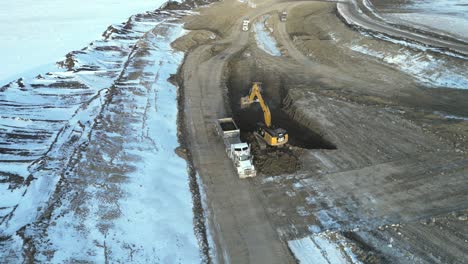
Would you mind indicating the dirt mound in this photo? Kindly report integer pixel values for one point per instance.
(193, 39)
(273, 160)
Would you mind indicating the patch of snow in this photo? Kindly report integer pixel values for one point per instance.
(444, 22)
(446, 15)
(306, 251)
(333, 37)
(265, 40)
(326, 220)
(310, 200)
(454, 117)
(298, 185)
(322, 248)
(301, 210)
(424, 67)
(314, 228)
(150, 218)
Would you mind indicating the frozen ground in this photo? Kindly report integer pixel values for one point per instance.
(154, 217)
(36, 34)
(450, 16)
(88, 169)
(323, 248)
(437, 72)
(447, 23)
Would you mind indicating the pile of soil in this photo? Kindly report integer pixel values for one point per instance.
(274, 160)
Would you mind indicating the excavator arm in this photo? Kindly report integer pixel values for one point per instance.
(272, 136)
(256, 93)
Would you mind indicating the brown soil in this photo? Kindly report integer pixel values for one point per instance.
(274, 160)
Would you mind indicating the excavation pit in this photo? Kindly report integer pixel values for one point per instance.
(242, 72)
(299, 135)
(274, 160)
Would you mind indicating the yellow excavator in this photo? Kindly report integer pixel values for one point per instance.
(271, 135)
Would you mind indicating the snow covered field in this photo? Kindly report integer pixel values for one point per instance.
(88, 167)
(457, 26)
(36, 34)
(436, 72)
(154, 215)
(450, 16)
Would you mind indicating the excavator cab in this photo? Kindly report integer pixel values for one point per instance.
(271, 135)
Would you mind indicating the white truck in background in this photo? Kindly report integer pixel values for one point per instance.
(237, 151)
(283, 16)
(245, 24)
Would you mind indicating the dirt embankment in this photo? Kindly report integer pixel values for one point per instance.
(217, 18)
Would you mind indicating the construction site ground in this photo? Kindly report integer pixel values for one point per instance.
(368, 157)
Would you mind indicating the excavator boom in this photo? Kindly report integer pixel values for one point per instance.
(272, 136)
(256, 93)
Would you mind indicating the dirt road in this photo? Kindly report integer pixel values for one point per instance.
(243, 233)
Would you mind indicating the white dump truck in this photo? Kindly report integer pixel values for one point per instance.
(245, 24)
(237, 151)
(283, 16)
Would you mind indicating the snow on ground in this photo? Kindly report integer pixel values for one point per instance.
(44, 116)
(155, 221)
(446, 15)
(423, 66)
(454, 7)
(88, 168)
(454, 117)
(447, 23)
(322, 248)
(36, 34)
(264, 38)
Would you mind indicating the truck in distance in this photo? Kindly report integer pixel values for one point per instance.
(245, 24)
(238, 151)
(283, 16)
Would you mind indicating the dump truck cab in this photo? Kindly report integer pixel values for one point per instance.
(240, 154)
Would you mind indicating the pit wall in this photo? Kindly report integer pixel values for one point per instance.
(298, 110)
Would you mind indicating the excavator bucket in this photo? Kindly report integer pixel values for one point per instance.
(245, 102)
